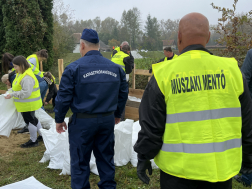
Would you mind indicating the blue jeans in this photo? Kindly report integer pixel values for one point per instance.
(43, 88)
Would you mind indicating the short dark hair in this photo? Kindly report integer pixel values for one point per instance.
(168, 49)
(126, 48)
(6, 60)
(42, 53)
(21, 62)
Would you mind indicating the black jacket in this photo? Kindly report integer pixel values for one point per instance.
(152, 118)
(128, 61)
(161, 60)
(52, 92)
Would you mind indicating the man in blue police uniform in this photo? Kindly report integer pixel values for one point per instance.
(96, 91)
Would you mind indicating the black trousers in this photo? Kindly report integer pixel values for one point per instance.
(171, 182)
(29, 117)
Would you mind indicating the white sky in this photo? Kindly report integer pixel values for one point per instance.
(161, 9)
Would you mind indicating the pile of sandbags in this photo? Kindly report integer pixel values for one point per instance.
(11, 119)
(57, 147)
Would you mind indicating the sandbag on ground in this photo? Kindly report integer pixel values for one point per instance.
(123, 142)
(134, 160)
(9, 117)
(57, 145)
(29, 183)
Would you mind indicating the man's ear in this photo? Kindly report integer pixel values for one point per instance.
(209, 35)
(82, 46)
(179, 38)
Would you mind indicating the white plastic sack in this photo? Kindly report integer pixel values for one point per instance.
(92, 164)
(46, 120)
(29, 183)
(136, 129)
(66, 170)
(134, 160)
(123, 142)
(9, 117)
(135, 99)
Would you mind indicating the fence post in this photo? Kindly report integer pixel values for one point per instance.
(134, 78)
(60, 68)
(41, 66)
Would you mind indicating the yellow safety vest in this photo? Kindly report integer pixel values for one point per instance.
(35, 68)
(175, 56)
(118, 58)
(116, 49)
(202, 138)
(31, 103)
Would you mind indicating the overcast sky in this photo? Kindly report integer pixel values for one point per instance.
(161, 9)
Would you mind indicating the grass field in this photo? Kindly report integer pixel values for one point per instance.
(21, 164)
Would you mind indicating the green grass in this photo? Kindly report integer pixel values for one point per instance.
(26, 163)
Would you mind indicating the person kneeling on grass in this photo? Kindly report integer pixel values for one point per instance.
(48, 77)
(27, 99)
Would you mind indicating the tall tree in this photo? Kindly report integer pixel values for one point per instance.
(24, 26)
(169, 29)
(230, 27)
(63, 41)
(152, 29)
(131, 22)
(46, 7)
(2, 34)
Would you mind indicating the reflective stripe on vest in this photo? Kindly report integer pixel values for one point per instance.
(202, 137)
(35, 89)
(27, 100)
(35, 68)
(203, 115)
(202, 148)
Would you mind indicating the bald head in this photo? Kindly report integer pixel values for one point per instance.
(193, 29)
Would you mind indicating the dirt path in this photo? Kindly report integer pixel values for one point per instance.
(10, 145)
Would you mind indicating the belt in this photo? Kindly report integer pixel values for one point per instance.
(85, 115)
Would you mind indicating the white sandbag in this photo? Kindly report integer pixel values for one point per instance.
(50, 139)
(92, 164)
(9, 117)
(66, 170)
(57, 153)
(135, 99)
(46, 120)
(136, 129)
(134, 160)
(123, 142)
(29, 183)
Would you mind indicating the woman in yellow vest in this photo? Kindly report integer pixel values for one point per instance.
(27, 99)
(34, 60)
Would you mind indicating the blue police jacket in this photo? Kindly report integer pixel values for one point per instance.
(92, 85)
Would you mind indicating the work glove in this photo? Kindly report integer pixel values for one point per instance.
(142, 165)
(245, 170)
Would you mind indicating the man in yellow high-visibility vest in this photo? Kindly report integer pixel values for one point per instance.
(195, 116)
(169, 55)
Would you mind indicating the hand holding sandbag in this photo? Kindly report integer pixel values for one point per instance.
(142, 165)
